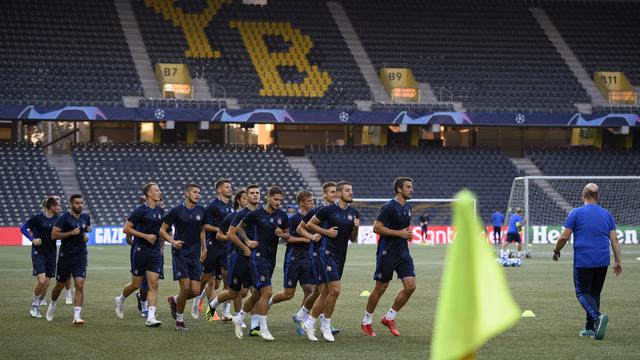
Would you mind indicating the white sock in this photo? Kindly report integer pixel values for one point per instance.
(152, 313)
(179, 317)
(321, 317)
(255, 321)
(270, 301)
(240, 316)
(368, 318)
(52, 303)
(76, 312)
(391, 314)
(310, 322)
(36, 301)
(325, 324)
(213, 303)
(69, 292)
(175, 298)
(121, 298)
(302, 313)
(144, 305)
(263, 322)
(227, 307)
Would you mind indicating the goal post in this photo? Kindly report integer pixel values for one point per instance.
(547, 200)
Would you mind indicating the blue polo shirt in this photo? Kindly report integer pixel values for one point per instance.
(591, 225)
(497, 219)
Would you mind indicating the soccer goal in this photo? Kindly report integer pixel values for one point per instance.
(547, 200)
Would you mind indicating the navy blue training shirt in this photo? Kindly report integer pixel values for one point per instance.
(333, 215)
(41, 226)
(315, 245)
(591, 225)
(264, 226)
(394, 216)
(188, 223)
(74, 244)
(147, 220)
(297, 251)
(237, 218)
(216, 212)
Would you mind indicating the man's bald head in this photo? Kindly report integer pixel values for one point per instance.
(590, 191)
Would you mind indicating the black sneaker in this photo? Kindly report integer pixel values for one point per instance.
(173, 306)
(255, 331)
(601, 326)
(139, 301)
(180, 326)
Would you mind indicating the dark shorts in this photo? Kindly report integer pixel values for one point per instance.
(74, 265)
(186, 266)
(513, 238)
(145, 259)
(298, 271)
(387, 264)
(497, 229)
(315, 269)
(215, 261)
(239, 275)
(261, 272)
(43, 264)
(330, 269)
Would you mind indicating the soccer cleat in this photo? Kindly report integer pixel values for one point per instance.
(194, 308)
(200, 307)
(367, 329)
(144, 314)
(51, 310)
(119, 308)
(43, 302)
(265, 334)
(601, 326)
(255, 331)
(298, 323)
(244, 326)
(391, 324)
(226, 313)
(139, 301)
(327, 335)
(153, 323)
(587, 333)
(68, 297)
(310, 331)
(180, 326)
(77, 322)
(173, 306)
(335, 331)
(222, 316)
(208, 314)
(35, 312)
(238, 328)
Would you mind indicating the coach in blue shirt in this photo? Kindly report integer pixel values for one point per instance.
(497, 219)
(593, 229)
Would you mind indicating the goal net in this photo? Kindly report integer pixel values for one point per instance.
(547, 200)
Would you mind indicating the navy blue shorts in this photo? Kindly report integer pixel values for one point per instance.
(387, 264)
(513, 238)
(298, 271)
(43, 264)
(315, 269)
(239, 275)
(261, 272)
(330, 269)
(71, 265)
(145, 259)
(215, 261)
(186, 266)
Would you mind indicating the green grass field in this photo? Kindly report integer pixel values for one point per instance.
(540, 285)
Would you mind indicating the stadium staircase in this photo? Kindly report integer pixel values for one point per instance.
(570, 58)
(530, 169)
(308, 172)
(66, 169)
(138, 50)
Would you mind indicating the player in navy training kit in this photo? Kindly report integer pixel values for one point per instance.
(593, 230)
(297, 263)
(214, 267)
(188, 249)
(43, 249)
(269, 223)
(147, 260)
(338, 224)
(71, 227)
(393, 226)
(240, 201)
(239, 275)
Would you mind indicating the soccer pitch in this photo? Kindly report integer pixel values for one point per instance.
(540, 285)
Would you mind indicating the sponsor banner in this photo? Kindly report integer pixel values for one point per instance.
(93, 113)
(107, 235)
(549, 234)
(11, 236)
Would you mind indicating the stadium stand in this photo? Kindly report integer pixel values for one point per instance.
(182, 104)
(439, 173)
(225, 61)
(410, 107)
(27, 179)
(492, 55)
(603, 35)
(64, 53)
(616, 109)
(112, 175)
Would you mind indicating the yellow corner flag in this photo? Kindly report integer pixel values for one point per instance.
(475, 303)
